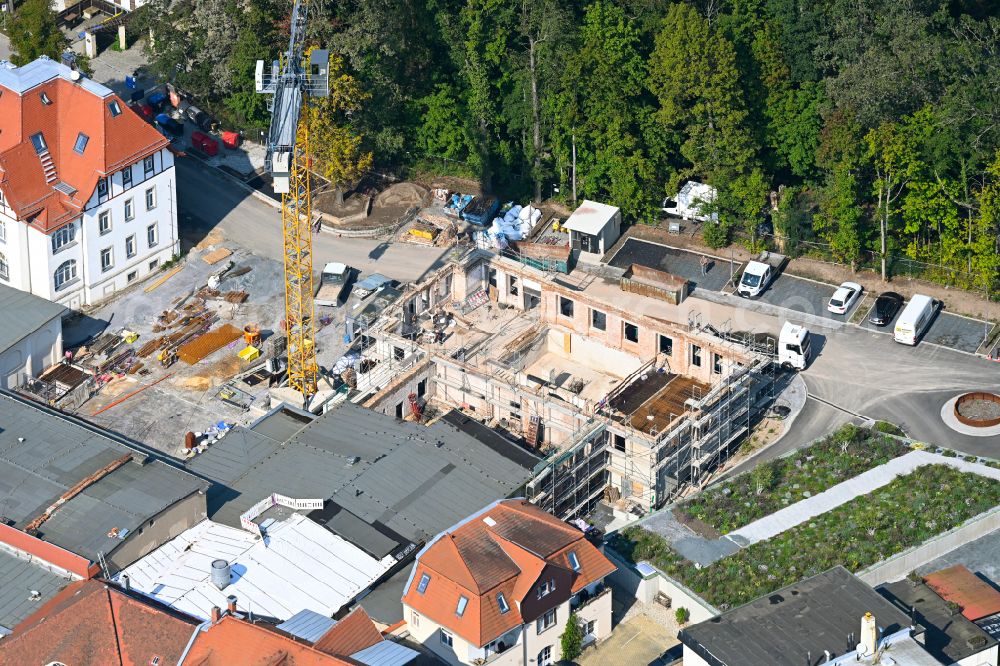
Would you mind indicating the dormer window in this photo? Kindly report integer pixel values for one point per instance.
(546, 588)
(45, 99)
(422, 585)
(502, 603)
(115, 108)
(462, 604)
(574, 561)
(102, 187)
(81, 143)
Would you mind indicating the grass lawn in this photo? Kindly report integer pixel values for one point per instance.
(907, 512)
(775, 484)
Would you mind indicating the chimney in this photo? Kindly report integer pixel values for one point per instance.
(216, 614)
(231, 604)
(126, 584)
(869, 639)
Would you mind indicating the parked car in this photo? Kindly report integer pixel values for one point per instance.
(845, 297)
(886, 306)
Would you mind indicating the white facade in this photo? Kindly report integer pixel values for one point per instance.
(31, 355)
(526, 645)
(128, 229)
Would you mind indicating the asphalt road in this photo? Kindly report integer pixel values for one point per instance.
(209, 200)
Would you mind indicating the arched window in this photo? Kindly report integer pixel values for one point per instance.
(65, 274)
(4, 270)
(63, 237)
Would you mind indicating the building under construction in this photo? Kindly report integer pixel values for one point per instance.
(589, 369)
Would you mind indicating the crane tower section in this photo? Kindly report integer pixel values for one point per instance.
(290, 82)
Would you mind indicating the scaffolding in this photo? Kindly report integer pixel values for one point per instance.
(570, 482)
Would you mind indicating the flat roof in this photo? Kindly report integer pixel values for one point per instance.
(21, 576)
(298, 565)
(948, 637)
(44, 453)
(415, 480)
(780, 628)
(23, 314)
(591, 217)
(976, 597)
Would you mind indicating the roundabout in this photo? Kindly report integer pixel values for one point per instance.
(976, 414)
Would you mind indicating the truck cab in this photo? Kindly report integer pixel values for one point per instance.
(332, 283)
(794, 348)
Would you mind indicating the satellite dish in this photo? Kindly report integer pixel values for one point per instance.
(74, 75)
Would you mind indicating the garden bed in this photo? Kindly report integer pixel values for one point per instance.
(868, 529)
(776, 484)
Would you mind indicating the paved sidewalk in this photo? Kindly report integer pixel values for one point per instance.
(863, 484)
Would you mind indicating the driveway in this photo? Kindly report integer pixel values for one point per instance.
(804, 296)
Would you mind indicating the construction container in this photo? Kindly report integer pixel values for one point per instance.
(481, 210)
(250, 353)
(231, 140)
(205, 143)
(251, 335)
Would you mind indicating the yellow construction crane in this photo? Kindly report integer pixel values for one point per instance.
(290, 81)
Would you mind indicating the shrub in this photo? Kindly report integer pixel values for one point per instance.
(682, 615)
(572, 639)
(948, 453)
(715, 236)
(889, 428)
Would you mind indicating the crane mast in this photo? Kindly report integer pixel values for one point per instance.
(290, 82)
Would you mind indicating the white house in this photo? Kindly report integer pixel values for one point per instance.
(30, 336)
(500, 587)
(88, 198)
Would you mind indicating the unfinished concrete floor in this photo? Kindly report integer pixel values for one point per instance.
(184, 397)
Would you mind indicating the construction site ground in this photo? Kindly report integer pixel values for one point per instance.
(172, 401)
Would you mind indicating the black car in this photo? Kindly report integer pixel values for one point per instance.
(885, 308)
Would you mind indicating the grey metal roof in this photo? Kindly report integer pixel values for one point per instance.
(19, 576)
(44, 453)
(416, 480)
(780, 629)
(24, 78)
(23, 314)
(385, 653)
(307, 625)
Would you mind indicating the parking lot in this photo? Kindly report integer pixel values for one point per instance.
(806, 296)
(682, 263)
(947, 330)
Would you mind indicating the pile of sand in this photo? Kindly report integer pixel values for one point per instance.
(400, 194)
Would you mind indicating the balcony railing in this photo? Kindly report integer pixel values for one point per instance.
(584, 598)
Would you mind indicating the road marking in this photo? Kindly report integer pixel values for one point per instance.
(637, 634)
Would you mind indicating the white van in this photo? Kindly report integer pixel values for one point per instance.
(915, 318)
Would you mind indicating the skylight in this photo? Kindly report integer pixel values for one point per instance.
(38, 141)
(115, 108)
(574, 561)
(422, 585)
(462, 603)
(502, 602)
(81, 143)
(45, 99)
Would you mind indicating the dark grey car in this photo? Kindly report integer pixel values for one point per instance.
(886, 306)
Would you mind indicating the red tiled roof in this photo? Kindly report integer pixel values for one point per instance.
(977, 598)
(508, 554)
(114, 142)
(234, 641)
(93, 623)
(352, 634)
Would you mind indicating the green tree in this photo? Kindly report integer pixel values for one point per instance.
(443, 132)
(571, 641)
(893, 162)
(33, 32)
(334, 143)
(840, 218)
(692, 72)
(254, 42)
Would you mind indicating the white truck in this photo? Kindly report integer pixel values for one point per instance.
(794, 348)
(331, 285)
(759, 273)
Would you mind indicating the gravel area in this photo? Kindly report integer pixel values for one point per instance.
(981, 410)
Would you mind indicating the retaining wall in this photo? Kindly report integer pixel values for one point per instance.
(646, 588)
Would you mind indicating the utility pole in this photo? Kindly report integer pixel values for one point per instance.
(574, 169)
